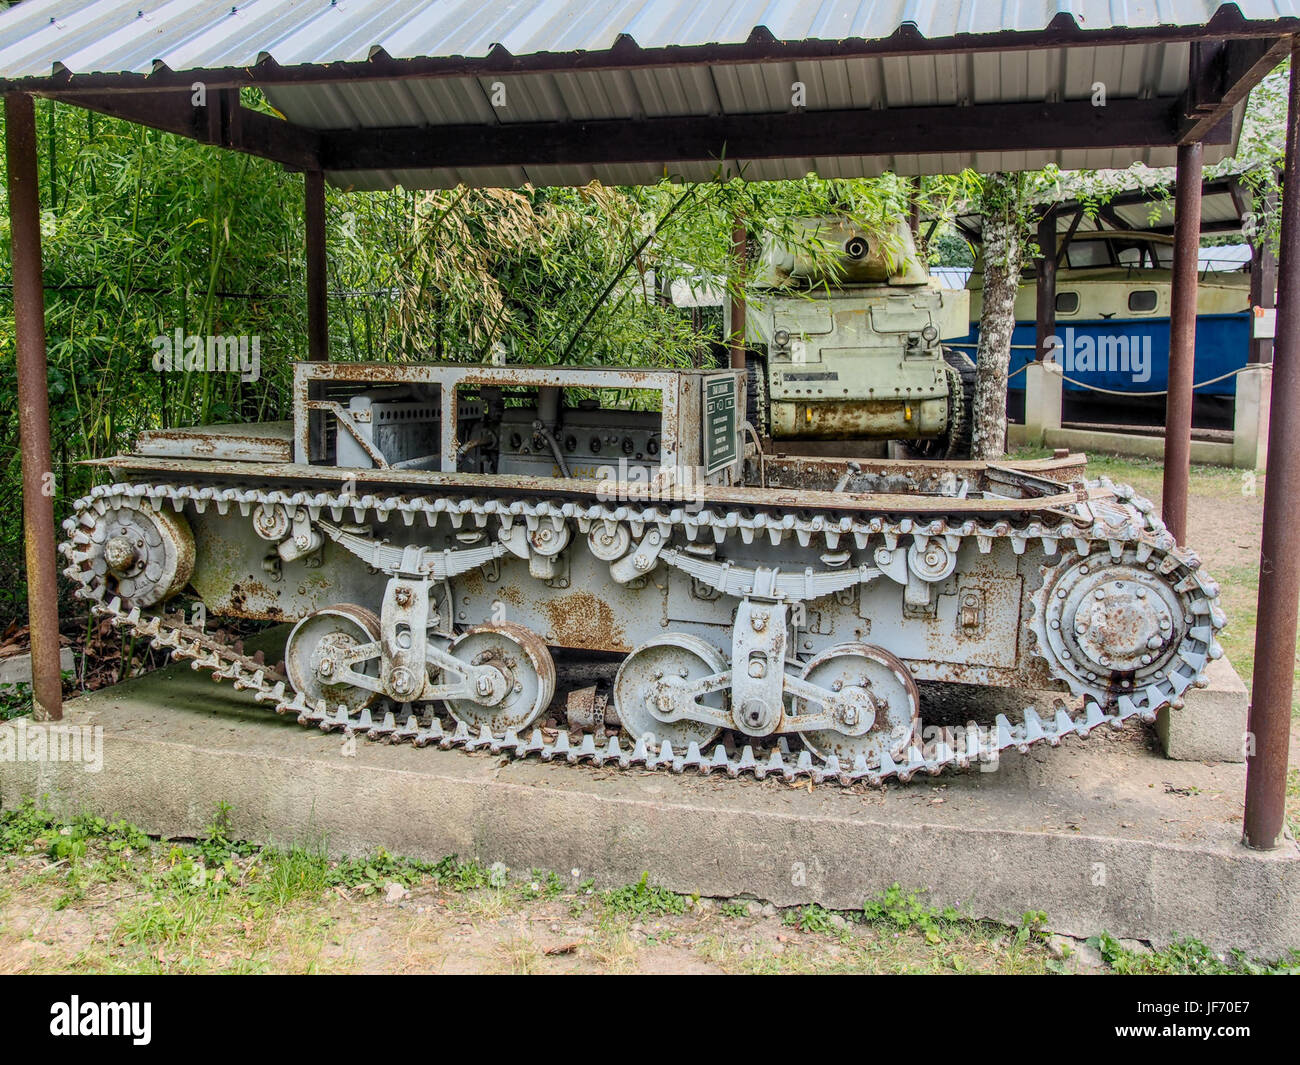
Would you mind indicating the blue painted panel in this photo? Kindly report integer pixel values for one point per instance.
(1132, 355)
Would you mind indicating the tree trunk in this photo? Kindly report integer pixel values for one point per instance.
(1003, 250)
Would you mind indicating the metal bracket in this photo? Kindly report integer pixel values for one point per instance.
(303, 539)
(758, 666)
(641, 561)
(970, 614)
(403, 628)
(541, 548)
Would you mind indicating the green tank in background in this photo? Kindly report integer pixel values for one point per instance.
(845, 340)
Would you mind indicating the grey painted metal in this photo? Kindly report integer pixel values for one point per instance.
(454, 391)
(1085, 538)
(771, 612)
(233, 441)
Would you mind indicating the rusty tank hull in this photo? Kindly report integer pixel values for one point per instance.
(771, 614)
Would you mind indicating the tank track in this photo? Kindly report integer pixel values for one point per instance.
(1126, 527)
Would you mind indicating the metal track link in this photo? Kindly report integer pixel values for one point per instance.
(1086, 528)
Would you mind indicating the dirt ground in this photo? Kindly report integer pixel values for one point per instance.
(120, 925)
(91, 897)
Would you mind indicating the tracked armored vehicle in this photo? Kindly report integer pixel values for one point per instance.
(435, 532)
(845, 335)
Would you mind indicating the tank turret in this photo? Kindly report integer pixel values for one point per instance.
(845, 340)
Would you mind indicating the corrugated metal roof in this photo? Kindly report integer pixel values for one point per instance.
(86, 36)
(41, 38)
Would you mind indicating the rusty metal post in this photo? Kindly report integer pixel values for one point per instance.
(739, 243)
(318, 323)
(33, 406)
(1045, 268)
(1182, 340)
(1279, 557)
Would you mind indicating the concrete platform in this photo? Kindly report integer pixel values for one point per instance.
(1103, 834)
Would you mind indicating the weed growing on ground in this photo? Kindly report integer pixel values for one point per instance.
(1188, 957)
(15, 700)
(643, 899)
(902, 910)
(815, 919)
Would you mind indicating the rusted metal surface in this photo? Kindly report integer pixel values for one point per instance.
(584, 619)
(1182, 340)
(258, 442)
(33, 406)
(1279, 562)
(318, 321)
(422, 482)
(589, 709)
(870, 419)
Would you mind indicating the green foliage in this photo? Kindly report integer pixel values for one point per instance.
(1030, 928)
(1188, 957)
(15, 700)
(811, 918)
(643, 899)
(904, 910)
(541, 884)
(28, 826)
(216, 848)
(371, 874)
(22, 825)
(950, 248)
